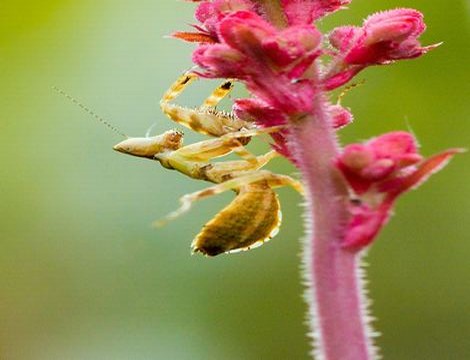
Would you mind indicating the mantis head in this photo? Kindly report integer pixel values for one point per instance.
(148, 147)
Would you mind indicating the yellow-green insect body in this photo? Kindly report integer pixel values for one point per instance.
(254, 216)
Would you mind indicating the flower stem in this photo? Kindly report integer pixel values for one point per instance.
(334, 294)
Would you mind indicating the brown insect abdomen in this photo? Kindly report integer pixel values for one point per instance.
(252, 218)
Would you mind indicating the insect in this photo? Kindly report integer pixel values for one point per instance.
(254, 216)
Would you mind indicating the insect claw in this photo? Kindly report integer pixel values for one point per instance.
(191, 70)
(185, 201)
(147, 134)
(159, 223)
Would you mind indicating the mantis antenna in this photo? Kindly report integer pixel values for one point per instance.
(347, 89)
(90, 112)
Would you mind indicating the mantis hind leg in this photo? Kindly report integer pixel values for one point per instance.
(270, 179)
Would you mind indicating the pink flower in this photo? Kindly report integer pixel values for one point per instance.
(268, 60)
(384, 37)
(340, 116)
(239, 40)
(210, 14)
(378, 172)
(253, 109)
(364, 165)
(256, 110)
(290, 51)
(295, 12)
(307, 11)
(275, 50)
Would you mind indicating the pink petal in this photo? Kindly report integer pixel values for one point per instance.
(422, 172)
(341, 78)
(340, 116)
(307, 11)
(364, 225)
(292, 44)
(378, 170)
(342, 38)
(394, 144)
(245, 31)
(219, 60)
(397, 23)
(257, 111)
(357, 156)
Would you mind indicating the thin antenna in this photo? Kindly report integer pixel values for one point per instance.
(89, 111)
(347, 89)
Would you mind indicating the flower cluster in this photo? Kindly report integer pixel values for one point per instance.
(275, 49)
(378, 171)
(289, 68)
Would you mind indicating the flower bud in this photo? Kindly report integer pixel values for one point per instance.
(384, 37)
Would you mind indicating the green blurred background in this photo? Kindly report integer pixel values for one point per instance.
(84, 276)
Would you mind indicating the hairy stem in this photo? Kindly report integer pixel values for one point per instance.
(334, 294)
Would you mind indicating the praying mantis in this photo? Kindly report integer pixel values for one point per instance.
(254, 216)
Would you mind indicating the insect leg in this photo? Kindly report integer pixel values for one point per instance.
(237, 141)
(253, 132)
(220, 146)
(222, 171)
(239, 166)
(242, 137)
(224, 144)
(178, 87)
(218, 94)
(204, 119)
(273, 180)
(213, 148)
(187, 200)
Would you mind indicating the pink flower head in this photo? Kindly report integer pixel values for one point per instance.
(253, 109)
(256, 110)
(294, 12)
(378, 172)
(384, 37)
(273, 46)
(274, 49)
(211, 13)
(289, 51)
(364, 165)
(253, 50)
